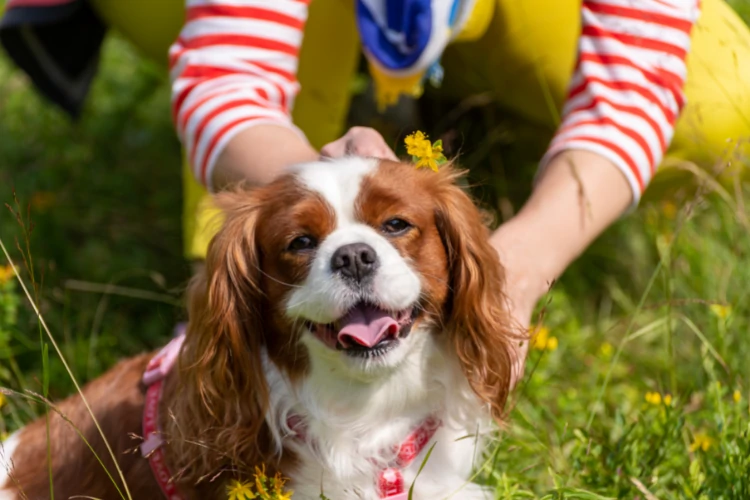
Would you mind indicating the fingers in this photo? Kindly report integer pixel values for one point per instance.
(335, 149)
(359, 141)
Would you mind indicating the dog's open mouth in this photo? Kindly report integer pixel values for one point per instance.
(366, 331)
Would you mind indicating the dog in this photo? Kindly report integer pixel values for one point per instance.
(349, 320)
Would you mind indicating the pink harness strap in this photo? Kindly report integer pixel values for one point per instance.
(151, 448)
(390, 481)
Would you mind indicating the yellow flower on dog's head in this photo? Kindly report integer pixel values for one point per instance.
(416, 143)
(423, 152)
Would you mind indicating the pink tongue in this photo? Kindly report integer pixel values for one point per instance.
(366, 325)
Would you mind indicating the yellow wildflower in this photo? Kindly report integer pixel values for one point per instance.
(669, 209)
(237, 490)
(701, 441)
(260, 483)
(2, 399)
(417, 143)
(656, 399)
(552, 343)
(43, 200)
(653, 398)
(721, 311)
(6, 274)
(423, 152)
(278, 488)
(543, 341)
(606, 349)
(737, 396)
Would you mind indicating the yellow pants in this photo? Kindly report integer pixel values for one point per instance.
(525, 58)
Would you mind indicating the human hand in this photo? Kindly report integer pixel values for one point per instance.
(359, 141)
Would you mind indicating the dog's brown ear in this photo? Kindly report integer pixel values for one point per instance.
(478, 320)
(221, 357)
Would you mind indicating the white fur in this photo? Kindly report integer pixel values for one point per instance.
(337, 181)
(7, 448)
(351, 424)
(357, 410)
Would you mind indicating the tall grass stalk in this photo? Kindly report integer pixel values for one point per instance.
(67, 369)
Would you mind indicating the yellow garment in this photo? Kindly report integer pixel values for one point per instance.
(525, 58)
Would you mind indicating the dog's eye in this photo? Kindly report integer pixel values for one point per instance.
(302, 243)
(396, 226)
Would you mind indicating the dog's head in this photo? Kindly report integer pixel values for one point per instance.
(343, 266)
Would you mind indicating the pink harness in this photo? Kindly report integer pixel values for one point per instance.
(390, 480)
(151, 448)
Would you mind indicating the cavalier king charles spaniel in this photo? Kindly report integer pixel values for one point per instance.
(349, 321)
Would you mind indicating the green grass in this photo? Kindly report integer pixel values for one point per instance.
(643, 311)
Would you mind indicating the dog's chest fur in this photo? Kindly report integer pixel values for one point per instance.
(352, 429)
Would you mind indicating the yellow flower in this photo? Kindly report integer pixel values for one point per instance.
(653, 398)
(260, 482)
(237, 490)
(42, 200)
(6, 274)
(669, 209)
(2, 399)
(543, 341)
(656, 399)
(423, 152)
(552, 343)
(721, 311)
(701, 441)
(278, 488)
(737, 396)
(416, 143)
(606, 349)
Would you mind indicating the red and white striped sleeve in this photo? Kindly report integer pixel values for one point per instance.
(233, 66)
(627, 88)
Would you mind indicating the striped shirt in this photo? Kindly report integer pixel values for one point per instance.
(234, 66)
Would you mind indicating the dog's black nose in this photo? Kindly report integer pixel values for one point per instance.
(356, 261)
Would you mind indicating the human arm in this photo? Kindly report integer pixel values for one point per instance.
(233, 71)
(576, 197)
(623, 100)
